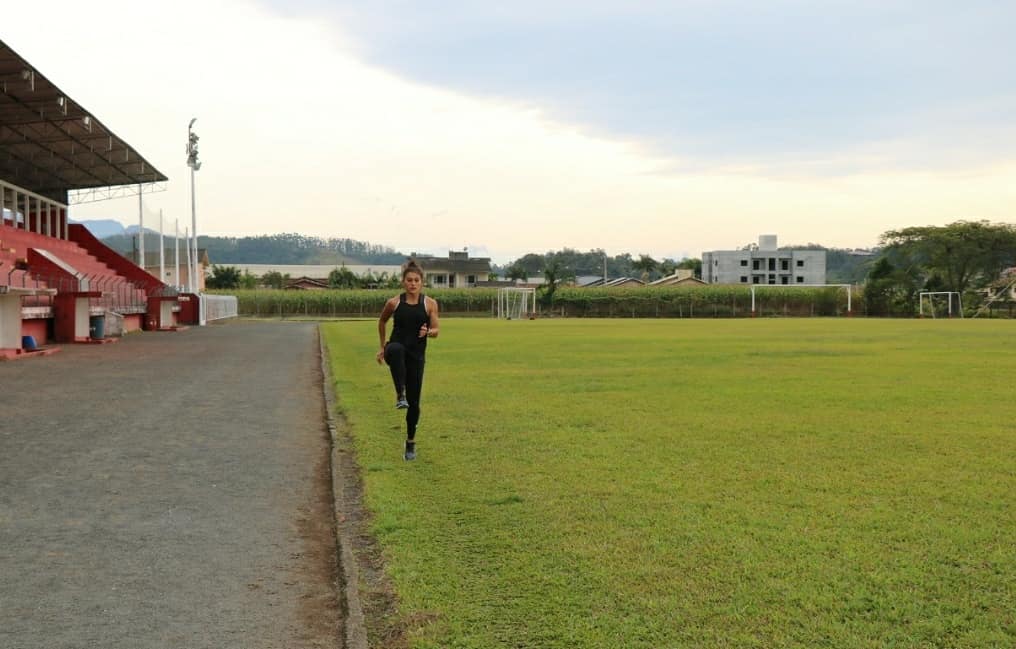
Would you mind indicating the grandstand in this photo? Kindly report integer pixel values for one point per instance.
(58, 283)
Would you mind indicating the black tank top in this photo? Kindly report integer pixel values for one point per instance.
(408, 320)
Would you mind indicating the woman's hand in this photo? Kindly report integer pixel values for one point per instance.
(424, 329)
(381, 356)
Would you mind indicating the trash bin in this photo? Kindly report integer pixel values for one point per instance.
(28, 343)
(97, 327)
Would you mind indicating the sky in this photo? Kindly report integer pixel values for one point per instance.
(660, 128)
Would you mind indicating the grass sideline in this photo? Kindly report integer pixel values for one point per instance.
(690, 483)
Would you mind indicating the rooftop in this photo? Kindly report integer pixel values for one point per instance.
(50, 144)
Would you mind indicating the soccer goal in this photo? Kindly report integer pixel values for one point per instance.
(929, 297)
(846, 287)
(515, 303)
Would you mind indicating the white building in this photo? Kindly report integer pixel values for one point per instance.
(765, 265)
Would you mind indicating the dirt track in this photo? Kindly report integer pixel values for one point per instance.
(169, 490)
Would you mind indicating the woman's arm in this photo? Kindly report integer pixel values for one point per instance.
(432, 326)
(382, 325)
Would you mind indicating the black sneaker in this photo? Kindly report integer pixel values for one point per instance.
(401, 403)
(410, 451)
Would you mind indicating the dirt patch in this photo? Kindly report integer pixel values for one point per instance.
(319, 607)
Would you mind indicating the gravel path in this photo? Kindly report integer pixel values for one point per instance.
(169, 490)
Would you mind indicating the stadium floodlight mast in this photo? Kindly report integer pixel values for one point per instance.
(194, 164)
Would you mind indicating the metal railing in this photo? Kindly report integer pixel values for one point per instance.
(218, 307)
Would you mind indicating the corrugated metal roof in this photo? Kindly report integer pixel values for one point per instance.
(49, 144)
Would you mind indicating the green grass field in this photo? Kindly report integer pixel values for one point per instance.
(697, 483)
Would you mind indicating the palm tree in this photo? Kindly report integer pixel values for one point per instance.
(553, 274)
(646, 264)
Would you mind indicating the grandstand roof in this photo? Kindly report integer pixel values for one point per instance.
(49, 144)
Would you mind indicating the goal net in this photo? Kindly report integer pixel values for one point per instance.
(944, 302)
(515, 303)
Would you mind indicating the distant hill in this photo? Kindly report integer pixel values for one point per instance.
(274, 249)
(103, 228)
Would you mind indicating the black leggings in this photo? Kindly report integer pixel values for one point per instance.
(407, 375)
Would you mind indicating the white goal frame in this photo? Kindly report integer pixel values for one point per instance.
(931, 303)
(850, 310)
(515, 303)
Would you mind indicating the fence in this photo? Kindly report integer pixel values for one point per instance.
(218, 307)
(646, 302)
(700, 302)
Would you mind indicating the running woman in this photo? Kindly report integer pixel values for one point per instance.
(416, 320)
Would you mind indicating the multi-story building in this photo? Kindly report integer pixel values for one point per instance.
(766, 264)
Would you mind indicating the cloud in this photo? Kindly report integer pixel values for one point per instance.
(299, 133)
(723, 81)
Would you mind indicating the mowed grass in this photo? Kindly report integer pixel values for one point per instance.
(697, 483)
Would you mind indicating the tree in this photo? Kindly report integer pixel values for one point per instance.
(516, 272)
(343, 278)
(531, 263)
(274, 279)
(892, 287)
(646, 265)
(668, 267)
(695, 265)
(223, 277)
(553, 275)
(878, 288)
(248, 280)
(964, 254)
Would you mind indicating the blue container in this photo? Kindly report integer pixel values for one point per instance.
(97, 327)
(28, 343)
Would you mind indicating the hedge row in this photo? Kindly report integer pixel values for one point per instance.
(645, 302)
(702, 301)
(352, 302)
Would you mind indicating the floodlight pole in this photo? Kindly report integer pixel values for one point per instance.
(162, 250)
(194, 164)
(193, 243)
(141, 227)
(176, 268)
(186, 237)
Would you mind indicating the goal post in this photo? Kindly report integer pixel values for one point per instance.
(514, 303)
(929, 296)
(846, 287)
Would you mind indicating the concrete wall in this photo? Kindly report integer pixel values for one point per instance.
(38, 328)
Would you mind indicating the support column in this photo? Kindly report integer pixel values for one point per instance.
(2, 217)
(10, 320)
(63, 219)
